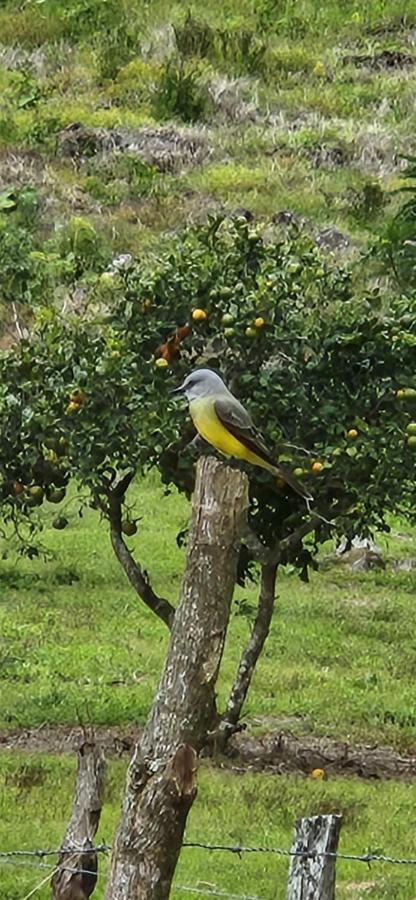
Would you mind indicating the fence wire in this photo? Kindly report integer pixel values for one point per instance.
(229, 848)
(210, 890)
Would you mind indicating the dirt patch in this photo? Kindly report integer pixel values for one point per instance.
(386, 59)
(277, 752)
(168, 148)
(286, 753)
(116, 740)
(329, 157)
(19, 168)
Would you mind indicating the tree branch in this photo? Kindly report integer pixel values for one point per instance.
(254, 647)
(278, 553)
(137, 576)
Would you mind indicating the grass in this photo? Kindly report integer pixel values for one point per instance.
(255, 810)
(77, 645)
(263, 82)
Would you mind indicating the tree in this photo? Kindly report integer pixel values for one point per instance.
(325, 365)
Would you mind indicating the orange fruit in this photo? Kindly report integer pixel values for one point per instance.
(161, 363)
(77, 396)
(352, 434)
(318, 774)
(199, 315)
(316, 467)
(259, 322)
(73, 407)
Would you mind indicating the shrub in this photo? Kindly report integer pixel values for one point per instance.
(181, 93)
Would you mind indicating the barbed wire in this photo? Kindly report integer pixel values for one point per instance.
(101, 848)
(54, 868)
(214, 892)
(237, 849)
(309, 854)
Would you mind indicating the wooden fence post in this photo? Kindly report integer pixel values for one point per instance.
(76, 875)
(313, 877)
(160, 785)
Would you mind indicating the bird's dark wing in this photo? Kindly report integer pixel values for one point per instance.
(239, 423)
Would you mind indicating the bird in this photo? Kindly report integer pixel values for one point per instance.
(225, 424)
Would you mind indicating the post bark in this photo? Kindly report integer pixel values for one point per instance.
(160, 785)
(254, 647)
(76, 875)
(312, 877)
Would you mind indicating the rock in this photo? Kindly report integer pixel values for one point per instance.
(365, 561)
(241, 213)
(122, 261)
(360, 554)
(287, 218)
(356, 543)
(332, 239)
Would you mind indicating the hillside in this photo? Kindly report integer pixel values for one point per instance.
(139, 117)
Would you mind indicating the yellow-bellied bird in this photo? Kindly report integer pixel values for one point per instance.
(224, 423)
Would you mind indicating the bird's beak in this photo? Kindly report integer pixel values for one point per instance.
(177, 390)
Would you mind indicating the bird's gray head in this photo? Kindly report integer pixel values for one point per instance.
(201, 383)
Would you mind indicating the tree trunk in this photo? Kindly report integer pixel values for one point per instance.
(76, 876)
(160, 784)
(254, 647)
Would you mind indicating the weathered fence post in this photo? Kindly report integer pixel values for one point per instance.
(76, 875)
(160, 785)
(313, 877)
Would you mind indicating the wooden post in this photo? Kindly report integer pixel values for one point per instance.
(76, 876)
(160, 785)
(313, 877)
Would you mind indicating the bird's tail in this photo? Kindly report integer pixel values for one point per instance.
(293, 482)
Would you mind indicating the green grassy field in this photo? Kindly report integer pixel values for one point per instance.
(255, 810)
(77, 646)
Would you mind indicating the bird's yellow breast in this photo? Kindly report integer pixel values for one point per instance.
(215, 433)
